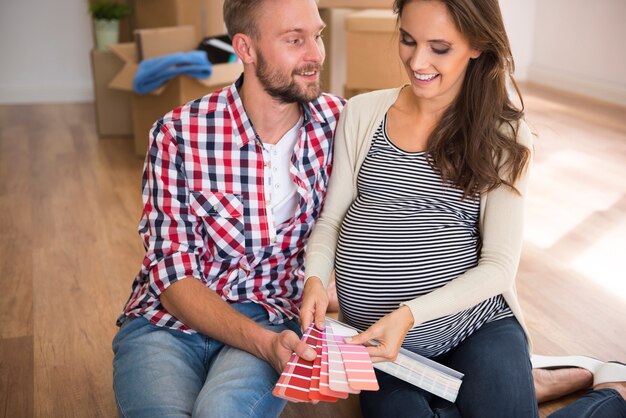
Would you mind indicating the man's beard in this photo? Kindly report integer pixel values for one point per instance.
(284, 87)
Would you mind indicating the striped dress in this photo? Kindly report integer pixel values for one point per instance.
(406, 234)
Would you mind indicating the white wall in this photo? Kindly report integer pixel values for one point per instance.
(44, 51)
(519, 20)
(579, 46)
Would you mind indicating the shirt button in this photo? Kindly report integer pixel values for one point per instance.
(277, 186)
(226, 290)
(273, 240)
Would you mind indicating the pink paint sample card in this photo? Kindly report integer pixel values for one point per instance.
(324, 373)
(358, 366)
(338, 381)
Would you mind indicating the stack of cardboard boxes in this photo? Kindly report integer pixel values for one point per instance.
(161, 27)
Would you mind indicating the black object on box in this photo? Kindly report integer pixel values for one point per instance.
(219, 49)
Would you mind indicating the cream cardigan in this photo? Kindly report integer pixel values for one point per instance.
(500, 224)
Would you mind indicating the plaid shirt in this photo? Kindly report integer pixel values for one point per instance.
(205, 213)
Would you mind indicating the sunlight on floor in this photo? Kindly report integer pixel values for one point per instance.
(554, 210)
(602, 262)
(583, 226)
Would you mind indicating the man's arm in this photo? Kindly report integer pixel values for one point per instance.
(200, 308)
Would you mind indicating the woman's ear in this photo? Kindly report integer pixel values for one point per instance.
(475, 53)
(242, 44)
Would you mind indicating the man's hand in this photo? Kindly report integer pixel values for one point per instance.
(314, 304)
(282, 346)
(389, 331)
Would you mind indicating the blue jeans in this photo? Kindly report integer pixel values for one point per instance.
(158, 372)
(601, 403)
(498, 380)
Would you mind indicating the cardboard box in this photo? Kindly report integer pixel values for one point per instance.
(146, 109)
(372, 52)
(205, 16)
(113, 108)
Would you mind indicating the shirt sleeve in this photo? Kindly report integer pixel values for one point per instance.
(170, 231)
(501, 233)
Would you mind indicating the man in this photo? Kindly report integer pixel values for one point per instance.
(232, 185)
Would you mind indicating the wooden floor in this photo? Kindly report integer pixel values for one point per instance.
(70, 202)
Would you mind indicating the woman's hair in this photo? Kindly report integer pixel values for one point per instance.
(469, 146)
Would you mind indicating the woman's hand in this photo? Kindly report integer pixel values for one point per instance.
(389, 331)
(314, 304)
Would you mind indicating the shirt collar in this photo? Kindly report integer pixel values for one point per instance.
(243, 130)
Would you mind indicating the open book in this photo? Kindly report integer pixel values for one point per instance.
(413, 368)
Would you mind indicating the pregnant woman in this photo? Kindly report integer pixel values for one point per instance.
(423, 218)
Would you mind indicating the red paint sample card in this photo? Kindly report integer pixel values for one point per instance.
(314, 391)
(295, 381)
(338, 370)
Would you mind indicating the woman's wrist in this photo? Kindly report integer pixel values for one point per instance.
(405, 316)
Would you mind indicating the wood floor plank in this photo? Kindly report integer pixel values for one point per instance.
(15, 234)
(16, 377)
(73, 313)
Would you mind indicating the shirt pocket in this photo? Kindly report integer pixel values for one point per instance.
(222, 216)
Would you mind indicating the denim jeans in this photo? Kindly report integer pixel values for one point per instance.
(601, 403)
(498, 381)
(158, 372)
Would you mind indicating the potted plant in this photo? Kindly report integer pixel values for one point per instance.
(106, 15)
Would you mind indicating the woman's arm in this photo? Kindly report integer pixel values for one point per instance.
(320, 253)
(502, 234)
(495, 273)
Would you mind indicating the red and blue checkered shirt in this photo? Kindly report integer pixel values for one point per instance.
(205, 213)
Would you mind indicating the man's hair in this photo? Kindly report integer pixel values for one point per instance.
(240, 16)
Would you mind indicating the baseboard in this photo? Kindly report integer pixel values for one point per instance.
(46, 93)
(601, 90)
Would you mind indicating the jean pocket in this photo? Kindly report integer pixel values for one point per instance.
(222, 216)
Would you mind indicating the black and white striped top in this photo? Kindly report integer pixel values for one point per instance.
(406, 234)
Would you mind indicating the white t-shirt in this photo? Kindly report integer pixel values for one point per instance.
(280, 190)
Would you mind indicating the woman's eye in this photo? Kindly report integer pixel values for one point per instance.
(406, 40)
(441, 51)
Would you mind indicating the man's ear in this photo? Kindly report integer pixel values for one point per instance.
(242, 44)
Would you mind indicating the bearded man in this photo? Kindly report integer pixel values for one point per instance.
(232, 185)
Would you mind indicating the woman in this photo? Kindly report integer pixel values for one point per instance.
(423, 216)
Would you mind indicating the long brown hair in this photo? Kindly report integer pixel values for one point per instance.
(470, 146)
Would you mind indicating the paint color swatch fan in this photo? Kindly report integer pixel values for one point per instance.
(338, 370)
(304, 381)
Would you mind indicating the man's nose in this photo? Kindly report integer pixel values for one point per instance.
(315, 51)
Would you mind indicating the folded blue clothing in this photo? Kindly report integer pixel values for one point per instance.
(154, 72)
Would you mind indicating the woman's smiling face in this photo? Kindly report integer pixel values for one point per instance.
(433, 51)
